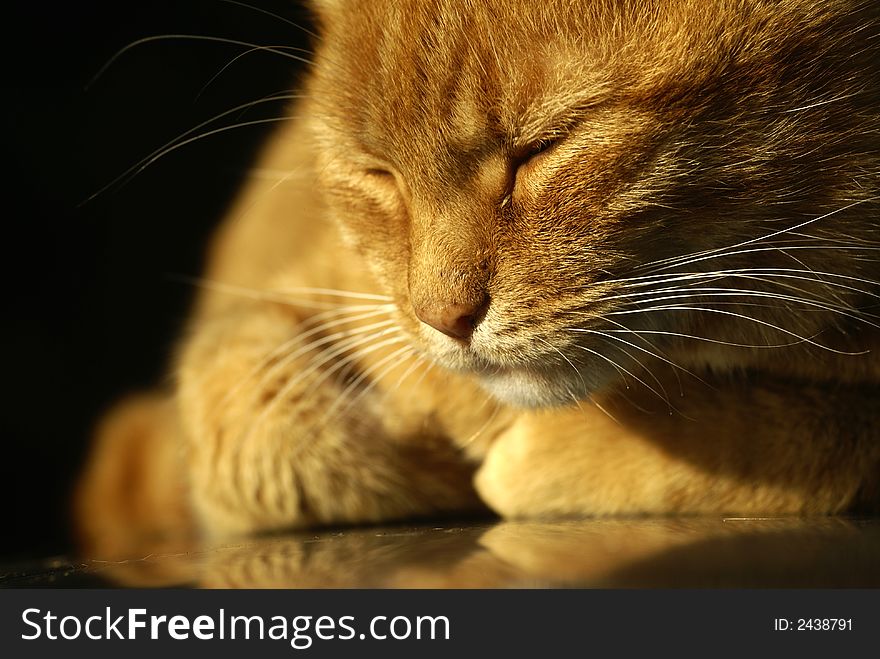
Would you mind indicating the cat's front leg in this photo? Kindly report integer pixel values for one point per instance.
(274, 442)
(571, 462)
(747, 447)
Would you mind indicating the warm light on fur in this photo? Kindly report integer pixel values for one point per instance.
(656, 224)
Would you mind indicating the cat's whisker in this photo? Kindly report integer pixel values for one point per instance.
(644, 368)
(665, 264)
(604, 411)
(284, 355)
(358, 352)
(836, 300)
(786, 251)
(393, 358)
(835, 99)
(281, 50)
(323, 320)
(331, 346)
(488, 422)
(650, 344)
(844, 239)
(703, 293)
(259, 199)
(653, 354)
(225, 67)
(343, 367)
(171, 149)
(335, 292)
(567, 360)
(327, 343)
(636, 305)
(802, 339)
(285, 296)
(697, 291)
(621, 370)
(266, 12)
(756, 250)
(704, 338)
(810, 276)
(648, 296)
(650, 280)
(792, 273)
(301, 377)
(182, 140)
(273, 174)
(664, 397)
(663, 279)
(297, 339)
(419, 360)
(339, 345)
(431, 364)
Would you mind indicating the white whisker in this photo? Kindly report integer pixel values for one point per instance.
(256, 49)
(802, 339)
(314, 368)
(721, 251)
(284, 296)
(568, 361)
(646, 351)
(494, 415)
(331, 346)
(306, 347)
(282, 51)
(703, 293)
(706, 339)
(620, 368)
(366, 373)
(149, 159)
(604, 411)
(273, 15)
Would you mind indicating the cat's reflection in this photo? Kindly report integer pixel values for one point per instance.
(595, 553)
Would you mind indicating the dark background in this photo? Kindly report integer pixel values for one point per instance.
(91, 307)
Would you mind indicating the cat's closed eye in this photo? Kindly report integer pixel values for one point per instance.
(542, 147)
(380, 173)
(382, 178)
(536, 153)
(526, 160)
(381, 182)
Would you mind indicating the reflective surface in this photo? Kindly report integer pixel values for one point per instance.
(640, 553)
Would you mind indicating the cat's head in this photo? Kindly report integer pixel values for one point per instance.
(532, 181)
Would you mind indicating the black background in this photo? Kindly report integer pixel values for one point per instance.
(90, 304)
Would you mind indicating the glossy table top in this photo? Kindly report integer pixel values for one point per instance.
(609, 553)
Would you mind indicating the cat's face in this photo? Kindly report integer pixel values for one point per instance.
(521, 176)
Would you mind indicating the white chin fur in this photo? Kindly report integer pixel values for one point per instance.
(530, 390)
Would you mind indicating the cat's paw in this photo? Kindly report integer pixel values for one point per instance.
(515, 479)
(557, 465)
(131, 497)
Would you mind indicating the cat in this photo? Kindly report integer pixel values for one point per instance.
(561, 258)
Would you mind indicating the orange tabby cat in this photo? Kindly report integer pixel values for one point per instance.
(588, 257)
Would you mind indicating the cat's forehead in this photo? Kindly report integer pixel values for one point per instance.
(459, 73)
(452, 77)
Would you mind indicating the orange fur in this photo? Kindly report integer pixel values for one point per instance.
(662, 215)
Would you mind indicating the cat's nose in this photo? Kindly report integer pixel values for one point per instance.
(453, 319)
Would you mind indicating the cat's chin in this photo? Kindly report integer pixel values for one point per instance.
(530, 384)
(530, 389)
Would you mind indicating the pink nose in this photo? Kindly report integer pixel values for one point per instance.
(455, 320)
